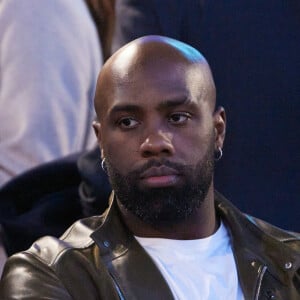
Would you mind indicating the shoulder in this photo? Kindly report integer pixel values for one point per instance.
(242, 225)
(43, 267)
(50, 268)
(289, 238)
(49, 251)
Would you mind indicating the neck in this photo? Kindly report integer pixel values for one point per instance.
(202, 223)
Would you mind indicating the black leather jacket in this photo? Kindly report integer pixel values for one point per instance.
(98, 258)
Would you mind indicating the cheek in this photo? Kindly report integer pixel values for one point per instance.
(121, 153)
(195, 144)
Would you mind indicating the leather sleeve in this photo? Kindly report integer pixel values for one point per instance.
(25, 277)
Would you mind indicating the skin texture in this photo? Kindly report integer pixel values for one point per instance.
(155, 102)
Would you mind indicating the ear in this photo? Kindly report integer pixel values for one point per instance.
(219, 117)
(97, 130)
(97, 127)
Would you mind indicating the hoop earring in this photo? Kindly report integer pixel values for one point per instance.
(103, 166)
(218, 154)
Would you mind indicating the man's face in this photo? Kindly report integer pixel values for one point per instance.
(157, 135)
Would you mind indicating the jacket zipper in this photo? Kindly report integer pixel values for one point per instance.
(260, 278)
(118, 291)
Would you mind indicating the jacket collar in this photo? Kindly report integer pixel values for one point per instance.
(257, 246)
(254, 250)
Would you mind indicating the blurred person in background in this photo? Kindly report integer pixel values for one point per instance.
(50, 56)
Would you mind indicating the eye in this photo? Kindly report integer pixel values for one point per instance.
(128, 123)
(179, 118)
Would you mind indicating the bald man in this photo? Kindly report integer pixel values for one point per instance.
(166, 234)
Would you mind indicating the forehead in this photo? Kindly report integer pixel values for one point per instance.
(157, 82)
(150, 74)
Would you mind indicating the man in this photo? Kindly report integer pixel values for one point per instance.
(167, 234)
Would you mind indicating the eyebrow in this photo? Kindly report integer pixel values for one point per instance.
(124, 108)
(163, 105)
(175, 102)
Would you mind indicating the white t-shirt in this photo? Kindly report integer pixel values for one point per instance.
(197, 269)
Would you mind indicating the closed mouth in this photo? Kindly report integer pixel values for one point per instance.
(158, 172)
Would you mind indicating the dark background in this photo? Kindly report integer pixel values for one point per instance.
(253, 48)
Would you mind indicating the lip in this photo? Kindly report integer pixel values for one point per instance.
(158, 172)
(160, 177)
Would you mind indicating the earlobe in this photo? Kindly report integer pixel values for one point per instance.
(220, 126)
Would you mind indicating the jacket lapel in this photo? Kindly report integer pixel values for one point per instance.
(255, 251)
(130, 266)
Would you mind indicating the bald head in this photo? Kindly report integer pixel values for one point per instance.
(157, 57)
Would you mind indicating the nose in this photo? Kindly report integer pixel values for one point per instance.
(157, 144)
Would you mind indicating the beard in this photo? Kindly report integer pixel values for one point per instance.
(166, 205)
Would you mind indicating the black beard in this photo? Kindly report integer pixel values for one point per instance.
(168, 205)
